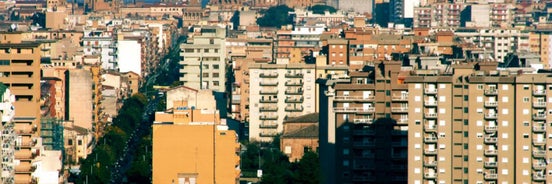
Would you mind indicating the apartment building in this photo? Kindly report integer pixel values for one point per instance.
(438, 15)
(496, 43)
(20, 68)
(204, 59)
(7, 136)
(356, 134)
(541, 43)
(477, 126)
(290, 46)
(102, 44)
(197, 139)
(281, 92)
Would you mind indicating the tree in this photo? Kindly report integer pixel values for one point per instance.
(308, 169)
(39, 18)
(275, 16)
(321, 9)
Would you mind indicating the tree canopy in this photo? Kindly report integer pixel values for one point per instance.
(275, 16)
(320, 9)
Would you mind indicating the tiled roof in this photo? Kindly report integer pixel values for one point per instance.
(307, 118)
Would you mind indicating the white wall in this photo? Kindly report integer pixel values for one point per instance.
(129, 52)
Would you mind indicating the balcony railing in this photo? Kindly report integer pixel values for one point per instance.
(268, 108)
(539, 128)
(294, 75)
(490, 140)
(268, 134)
(294, 108)
(268, 117)
(491, 104)
(268, 83)
(539, 116)
(539, 153)
(432, 163)
(430, 91)
(490, 116)
(294, 83)
(430, 115)
(294, 92)
(490, 164)
(539, 93)
(354, 110)
(399, 109)
(430, 175)
(430, 128)
(489, 176)
(268, 125)
(268, 92)
(400, 98)
(490, 129)
(294, 100)
(354, 98)
(430, 139)
(264, 100)
(430, 152)
(491, 152)
(539, 165)
(539, 141)
(268, 75)
(539, 177)
(539, 104)
(430, 103)
(362, 121)
(491, 92)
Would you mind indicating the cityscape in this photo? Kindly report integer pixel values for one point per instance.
(276, 91)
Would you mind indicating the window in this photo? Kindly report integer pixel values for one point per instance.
(70, 142)
(215, 83)
(346, 163)
(216, 50)
(205, 66)
(4, 62)
(205, 74)
(466, 147)
(480, 87)
(206, 50)
(345, 151)
(216, 74)
(215, 66)
(79, 142)
(525, 99)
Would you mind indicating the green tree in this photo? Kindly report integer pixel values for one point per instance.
(276, 167)
(308, 169)
(320, 9)
(275, 16)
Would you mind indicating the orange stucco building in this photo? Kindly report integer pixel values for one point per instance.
(193, 146)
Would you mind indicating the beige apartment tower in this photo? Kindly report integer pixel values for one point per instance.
(20, 72)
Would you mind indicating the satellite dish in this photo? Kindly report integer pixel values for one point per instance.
(13, 27)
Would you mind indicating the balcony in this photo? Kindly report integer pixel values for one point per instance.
(539, 116)
(430, 91)
(271, 108)
(294, 83)
(294, 75)
(430, 128)
(294, 92)
(364, 132)
(294, 100)
(363, 144)
(490, 140)
(491, 104)
(539, 128)
(268, 125)
(432, 163)
(402, 121)
(270, 100)
(539, 165)
(268, 91)
(539, 153)
(490, 129)
(489, 176)
(268, 75)
(430, 115)
(491, 152)
(430, 139)
(539, 177)
(430, 176)
(353, 98)
(294, 108)
(430, 152)
(274, 117)
(430, 103)
(539, 93)
(362, 121)
(268, 134)
(268, 83)
(539, 142)
(399, 109)
(353, 110)
(399, 98)
(491, 92)
(490, 116)
(539, 104)
(490, 164)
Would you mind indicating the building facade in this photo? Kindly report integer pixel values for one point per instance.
(7, 136)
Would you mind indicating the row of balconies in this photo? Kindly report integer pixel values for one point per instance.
(294, 75)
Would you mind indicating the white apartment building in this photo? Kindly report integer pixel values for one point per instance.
(279, 92)
(203, 64)
(7, 136)
(131, 53)
(102, 44)
(496, 42)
